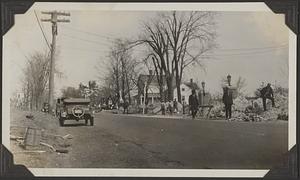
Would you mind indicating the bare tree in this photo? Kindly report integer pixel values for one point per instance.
(36, 75)
(154, 37)
(122, 75)
(36, 78)
(179, 39)
(240, 85)
(151, 62)
(284, 68)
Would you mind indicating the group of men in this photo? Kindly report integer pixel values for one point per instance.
(265, 93)
(169, 106)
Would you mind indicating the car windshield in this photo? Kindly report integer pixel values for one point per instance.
(77, 101)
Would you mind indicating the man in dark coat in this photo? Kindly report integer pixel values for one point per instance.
(267, 93)
(125, 106)
(227, 98)
(193, 102)
(175, 105)
(163, 107)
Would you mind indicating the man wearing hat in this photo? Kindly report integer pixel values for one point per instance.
(267, 93)
(193, 102)
(228, 97)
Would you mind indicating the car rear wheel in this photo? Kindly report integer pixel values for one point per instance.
(92, 121)
(61, 122)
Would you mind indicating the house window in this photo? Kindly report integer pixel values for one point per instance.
(183, 98)
(182, 89)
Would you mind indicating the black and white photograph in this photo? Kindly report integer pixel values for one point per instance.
(138, 88)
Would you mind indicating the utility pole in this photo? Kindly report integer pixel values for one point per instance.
(54, 20)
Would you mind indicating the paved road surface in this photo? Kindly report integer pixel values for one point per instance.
(120, 141)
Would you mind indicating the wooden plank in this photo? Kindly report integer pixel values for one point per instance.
(32, 136)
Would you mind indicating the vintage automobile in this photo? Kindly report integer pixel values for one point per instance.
(75, 109)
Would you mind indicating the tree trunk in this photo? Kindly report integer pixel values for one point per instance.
(178, 91)
(117, 79)
(128, 88)
(146, 95)
(161, 92)
(161, 86)
(27, 97)
(37, 103)
(31, 101)
(160, 80)
(178, 81)
(123, 88)
(123, 78)
(170, 87)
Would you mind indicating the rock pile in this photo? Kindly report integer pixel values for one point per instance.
(244, 109)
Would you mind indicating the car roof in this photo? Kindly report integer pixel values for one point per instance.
(77, 100)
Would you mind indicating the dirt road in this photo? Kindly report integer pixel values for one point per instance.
(120, 141)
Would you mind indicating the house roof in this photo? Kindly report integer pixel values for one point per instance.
(152, 78)
(146, 77)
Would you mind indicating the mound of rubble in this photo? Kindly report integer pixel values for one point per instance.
(246, 109)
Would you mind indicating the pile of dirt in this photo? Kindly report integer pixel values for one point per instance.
(245, 109)
(50, 142)
(33, 119)
(217, 111)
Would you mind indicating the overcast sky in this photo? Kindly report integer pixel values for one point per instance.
(253, 45)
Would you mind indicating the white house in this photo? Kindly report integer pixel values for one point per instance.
(153, 94)
(204, 96)
(186, 90)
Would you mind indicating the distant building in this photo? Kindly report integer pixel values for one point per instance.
(186, 90)
(153, 88)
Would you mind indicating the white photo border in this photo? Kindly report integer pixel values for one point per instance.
(258, 6)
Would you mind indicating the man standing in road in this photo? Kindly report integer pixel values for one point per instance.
(175, 105)
(267, 93)
(227, 97)
(193, 102)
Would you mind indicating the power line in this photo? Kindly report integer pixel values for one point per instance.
(86, 50)
(75, 37)
(85, 56)
(90, 33)
(44, 35)
(258, 48)
(244, 53)
(234, 49)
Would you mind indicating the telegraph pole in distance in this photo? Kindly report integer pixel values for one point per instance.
(54, 20)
